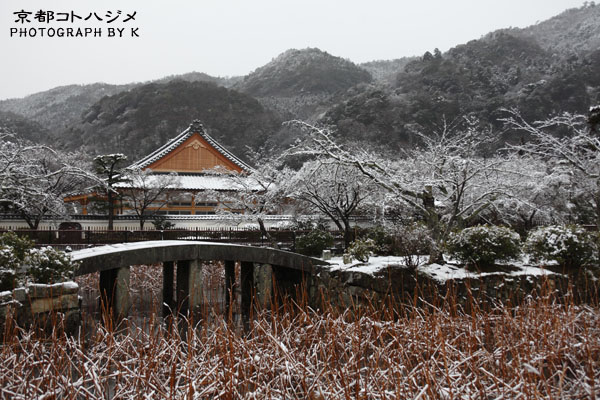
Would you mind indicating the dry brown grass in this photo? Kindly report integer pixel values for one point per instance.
(540, 349)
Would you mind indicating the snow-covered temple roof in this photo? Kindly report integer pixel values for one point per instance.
(195, 127)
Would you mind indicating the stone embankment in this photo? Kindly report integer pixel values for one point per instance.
(39, 305)
(395, 285)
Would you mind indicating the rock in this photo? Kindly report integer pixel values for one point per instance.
(6, 296)
(49, 304)
(37, 290)
(21, 294)
(41, 306)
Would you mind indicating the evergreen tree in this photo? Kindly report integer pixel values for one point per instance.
(108, 167)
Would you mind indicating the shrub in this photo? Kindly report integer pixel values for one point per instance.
(308, 224)
(19, 244)
(380, 236)
(571, 246)
(162, 224)
(411, 240)
(482, 246)
(386, 240)
(47, 265)
(9, 266)
(13, 251)
(362, 249)
(314, 242)
(21, 262)
(408, 241)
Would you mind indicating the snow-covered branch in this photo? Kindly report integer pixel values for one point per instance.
(145, 192)
(571, 151)
(34, 179)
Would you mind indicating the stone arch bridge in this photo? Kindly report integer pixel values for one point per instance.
(260, 269)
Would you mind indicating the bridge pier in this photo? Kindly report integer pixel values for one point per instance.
(288, 281)
(257, 286)
(168, 304)
(263, 284)
(189, 286)
(114, 291)
(184, 296)
(247, 286)
(229, 285)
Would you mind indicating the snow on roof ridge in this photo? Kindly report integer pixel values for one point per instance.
(195, 127)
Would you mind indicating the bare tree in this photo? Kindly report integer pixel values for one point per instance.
(334, 189)
(34, 179)
(445, 180)
(538, 193)
(571, 148)
(145, 192)
(254, 195)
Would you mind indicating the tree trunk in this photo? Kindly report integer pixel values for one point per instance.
(598, 208)
(432, 220)
(348, 234)
(265, 232)
(111, 210)
(32, 222)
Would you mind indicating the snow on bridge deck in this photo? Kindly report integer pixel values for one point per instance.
(149, 252)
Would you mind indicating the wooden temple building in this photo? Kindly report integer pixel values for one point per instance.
(194, 156)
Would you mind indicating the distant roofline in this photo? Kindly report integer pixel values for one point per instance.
(195, 127)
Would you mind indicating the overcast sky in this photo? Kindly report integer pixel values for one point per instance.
(234, 37)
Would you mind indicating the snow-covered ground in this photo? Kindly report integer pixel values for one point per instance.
(440, 272)
(375, 264)
(447, 271)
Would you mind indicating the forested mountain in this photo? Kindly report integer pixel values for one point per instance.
(201, 77)
(58, 109)
(574, 31)
(478, 77)
(298, 72)
(23, 127)
(385, 71)
(507, 68)
(550, 67)
(302, 83)
(138, 121)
